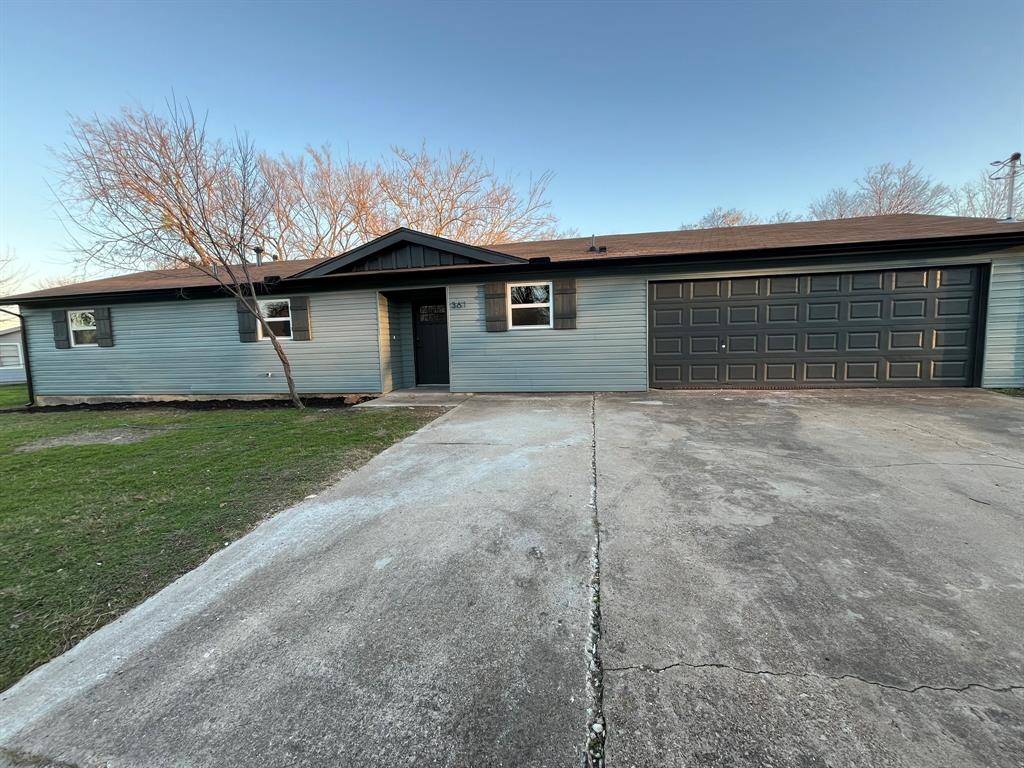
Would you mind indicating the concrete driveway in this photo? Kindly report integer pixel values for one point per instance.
(813, 579)
(794, 579)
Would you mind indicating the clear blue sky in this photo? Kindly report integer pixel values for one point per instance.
(648, 114)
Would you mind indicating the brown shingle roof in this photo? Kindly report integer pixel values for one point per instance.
(867, 229)
(158, 280)
(807, 234)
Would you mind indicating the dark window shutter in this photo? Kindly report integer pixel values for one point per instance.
(61, 339)
(494, 305)
(246, 323)
(300, 318)
(104, 328)
(565, 302)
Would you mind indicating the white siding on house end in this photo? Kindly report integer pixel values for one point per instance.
(192, 348)
(12, 356)
(1004, 324)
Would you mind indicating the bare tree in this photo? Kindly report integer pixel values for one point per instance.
(457, 195)
(737, 217)
(313, 204)
(726, 217)
(321, 206)
(889, 189)
(984, 197)
(837, 203)
(141, 190)
(11, 275)
(55, 281)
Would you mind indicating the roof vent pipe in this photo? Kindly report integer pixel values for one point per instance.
(593, 244)
(258, 250)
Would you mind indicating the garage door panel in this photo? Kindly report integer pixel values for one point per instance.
(957, 277)
(910, 278)
(705, 289)
(744, 288)
(860, 341)
(787, 285)
(782, 313)
(867, 281)
(883, 328)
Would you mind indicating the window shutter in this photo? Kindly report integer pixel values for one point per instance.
(61, 339)
(565, 302)
(494, 305)
(104, 328)
(300, 318)
(246, 323)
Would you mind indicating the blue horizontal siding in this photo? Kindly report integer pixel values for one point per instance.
(192, 348)
(606, 352)
(1004, 327)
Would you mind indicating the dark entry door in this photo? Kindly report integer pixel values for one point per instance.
(891, 328)
(430, 328)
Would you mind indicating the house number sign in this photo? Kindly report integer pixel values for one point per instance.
(458, 305)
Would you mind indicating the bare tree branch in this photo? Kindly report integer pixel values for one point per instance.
(984, 197)
(145, 191)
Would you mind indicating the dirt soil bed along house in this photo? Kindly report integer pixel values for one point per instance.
(99, 510)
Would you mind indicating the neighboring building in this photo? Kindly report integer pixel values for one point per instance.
(896, 301)
(12, 356)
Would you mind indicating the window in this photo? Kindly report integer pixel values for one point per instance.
(10, 356)
(82, 324)
(278, 314)
(529, 305)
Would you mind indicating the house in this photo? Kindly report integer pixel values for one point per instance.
(893, 301)
(12, 356)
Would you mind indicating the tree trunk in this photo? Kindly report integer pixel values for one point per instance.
(285, 364)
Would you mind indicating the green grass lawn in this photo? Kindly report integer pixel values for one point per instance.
(1011, 392)
(13, 394)
(89, 530)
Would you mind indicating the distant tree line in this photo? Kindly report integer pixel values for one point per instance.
(883, 190)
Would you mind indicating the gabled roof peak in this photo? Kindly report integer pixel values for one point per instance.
(405, 248)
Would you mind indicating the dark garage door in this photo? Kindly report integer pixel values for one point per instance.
(901, 328)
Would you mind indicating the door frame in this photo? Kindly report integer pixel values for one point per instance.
(386, 292)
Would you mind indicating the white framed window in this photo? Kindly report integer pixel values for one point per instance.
(278, 314)
(82, 327)
(529, 305)
(10, 356)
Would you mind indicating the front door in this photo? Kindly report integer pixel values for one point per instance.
(430, 329)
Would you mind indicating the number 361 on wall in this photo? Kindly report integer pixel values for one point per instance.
(457, 305)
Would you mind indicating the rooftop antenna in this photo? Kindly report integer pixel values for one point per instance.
(1007, 169)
